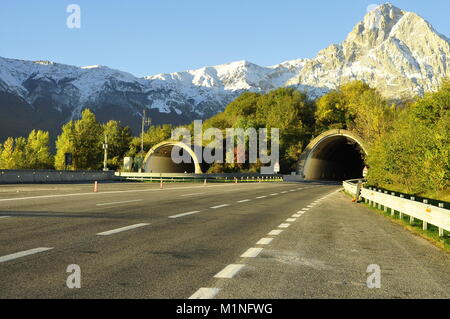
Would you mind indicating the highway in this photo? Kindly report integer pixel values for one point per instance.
(256, 240)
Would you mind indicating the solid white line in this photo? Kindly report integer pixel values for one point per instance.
(290, 220)
(118, 230)
(261, 197)
(5, 216)
(275, 232)
(284, 225)
(114, 203)
(185, 214)
(205, 293)
(24, 253)
(220, 206)
(229, 271)
(251, 253)
(111, 192)
(243, 201)
(264, 241)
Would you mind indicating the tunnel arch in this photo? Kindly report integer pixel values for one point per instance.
(158, 159)
(333, 155)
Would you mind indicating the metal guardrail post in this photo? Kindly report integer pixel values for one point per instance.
(441, 230)
(411, 218)
(424, 223)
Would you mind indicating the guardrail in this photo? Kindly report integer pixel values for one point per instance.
(388, 201)
(187, 177)
(52, 176)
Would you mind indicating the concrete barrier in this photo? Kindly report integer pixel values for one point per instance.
(52, 176)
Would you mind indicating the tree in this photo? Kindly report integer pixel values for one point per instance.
(37, 151)
(119, 139)
(83, 138)
(6, 156)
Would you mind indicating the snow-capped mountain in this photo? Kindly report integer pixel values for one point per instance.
(395, 51)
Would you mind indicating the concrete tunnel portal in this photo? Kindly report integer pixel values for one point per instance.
(333, 155)
(159, 159)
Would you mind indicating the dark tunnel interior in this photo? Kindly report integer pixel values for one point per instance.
(336, 158)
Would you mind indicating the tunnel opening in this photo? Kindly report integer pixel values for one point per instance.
(159, 160)
(335, 158)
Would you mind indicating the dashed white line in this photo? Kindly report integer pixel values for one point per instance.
(251, 253)
(284, 225)
(310, 206)
(284, 192)
(205, 293)
(259, 197)
(290, 220)
(219, 206)
(275, 232)
(296, 215)
(264, 241)
(185, 214)
(229, 271)
(191, 194)
(118, 230)
(243, 201)
(24, 253)
(5, 216)
(305, 209)
(116, 203)
(274, 194)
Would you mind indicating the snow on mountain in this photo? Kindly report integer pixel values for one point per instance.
(395, 51)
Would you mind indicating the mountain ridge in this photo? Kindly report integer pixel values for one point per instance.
(395, 51)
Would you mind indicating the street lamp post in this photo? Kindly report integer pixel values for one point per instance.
(105, 157)
(145, 121)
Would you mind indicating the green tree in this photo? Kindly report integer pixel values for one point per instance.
(119, 139)
(6, 156)
(38, 154)
(83, 138)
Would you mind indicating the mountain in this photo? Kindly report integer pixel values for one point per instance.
(395, 51)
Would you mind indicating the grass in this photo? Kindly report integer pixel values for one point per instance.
(431, 234)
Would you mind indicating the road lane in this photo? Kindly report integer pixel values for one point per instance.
(166, 259)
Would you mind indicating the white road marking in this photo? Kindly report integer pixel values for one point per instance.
(275, 232)
(261, 197)
(284, 225)
(185, 214)
(310, 206)
(118, 230)
(274, 194)
(243, 201)
(191, 194)
(205, 293)
(301, 212)
(264, 241)
(292, 190)
(113, 192)
(24, 253)
(5, 216)
(305, 209)
(296, 215)
(284, 192)
(291, 220)
(251, 253)
(123, 202)
(229, 271)
(219, 206)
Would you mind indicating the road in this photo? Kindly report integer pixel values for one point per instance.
(258, 240)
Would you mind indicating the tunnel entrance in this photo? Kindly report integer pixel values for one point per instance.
(334, 155)
(159, 159)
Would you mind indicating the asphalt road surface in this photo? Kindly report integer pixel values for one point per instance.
(259, 240)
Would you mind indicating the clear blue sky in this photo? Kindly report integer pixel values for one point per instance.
(159, 36)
